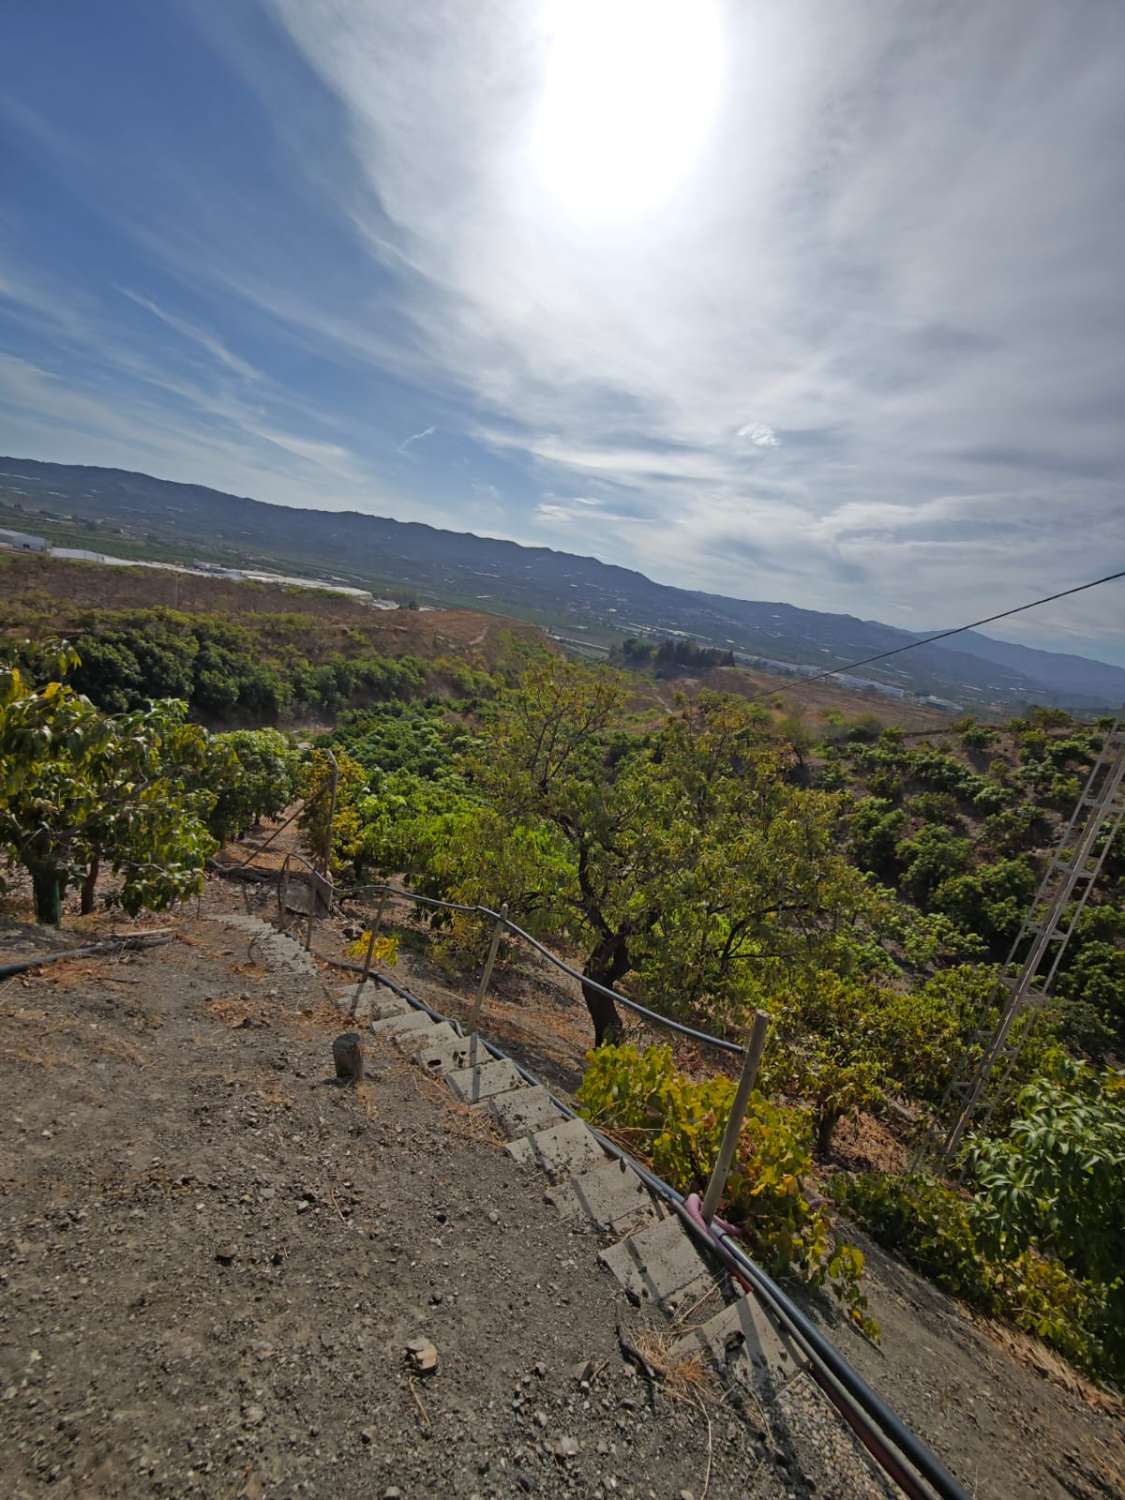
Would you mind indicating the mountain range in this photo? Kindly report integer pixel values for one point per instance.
(580, 598)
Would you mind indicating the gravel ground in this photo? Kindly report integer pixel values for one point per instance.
(212, 1260)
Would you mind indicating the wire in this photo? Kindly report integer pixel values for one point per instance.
(928, 640)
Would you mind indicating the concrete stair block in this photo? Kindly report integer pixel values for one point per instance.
(560, 1151)
(494, 1077)
(391, 1026)
(448, 1053)
(660, 1264)
(610, 1196)
(743, 1345)
(524, 1111)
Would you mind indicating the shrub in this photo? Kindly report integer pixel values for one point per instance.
(677, 1123)
(936, 1229)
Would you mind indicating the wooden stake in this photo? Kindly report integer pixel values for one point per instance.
(754, 1049)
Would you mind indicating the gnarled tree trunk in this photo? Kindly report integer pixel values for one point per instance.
(608, 963)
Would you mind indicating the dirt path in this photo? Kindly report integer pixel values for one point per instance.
(212, 1259)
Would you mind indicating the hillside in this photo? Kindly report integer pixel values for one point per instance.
(131, 514)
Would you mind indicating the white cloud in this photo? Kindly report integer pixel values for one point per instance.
(415, 437)
(201, 336)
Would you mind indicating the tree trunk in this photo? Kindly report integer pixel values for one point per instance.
(47, 884)
(825, 1127)
(88, 886)
(606, 965)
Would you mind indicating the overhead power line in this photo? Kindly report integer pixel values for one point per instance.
(942, 635)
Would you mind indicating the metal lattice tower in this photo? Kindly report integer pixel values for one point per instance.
(1051, 919)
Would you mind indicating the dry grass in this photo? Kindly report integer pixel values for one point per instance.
(241, 1012)
(686, 1379)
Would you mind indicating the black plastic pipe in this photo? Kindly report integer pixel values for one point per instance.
(860, 1406)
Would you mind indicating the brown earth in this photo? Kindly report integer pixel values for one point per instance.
(211, 1259)
(36, 587)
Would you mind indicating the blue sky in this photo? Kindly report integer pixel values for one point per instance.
(814, 300)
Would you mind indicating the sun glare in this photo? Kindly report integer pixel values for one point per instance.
(630, 93)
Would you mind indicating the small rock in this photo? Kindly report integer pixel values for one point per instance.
(686, 1495)
(253, 1416)
(584, 1370)
(525, 1482)
(541, 1418)
(541, 1369)
(493, 1216)
(224, 1254)
(566, 1447)
(392, 1493)
(423, 1356)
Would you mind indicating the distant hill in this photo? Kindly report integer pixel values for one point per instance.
(131, 514)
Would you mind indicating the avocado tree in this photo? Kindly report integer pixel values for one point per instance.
(690, 859)
(82, 790)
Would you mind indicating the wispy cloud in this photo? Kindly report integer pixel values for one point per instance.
(865, 354)
(415, 437)
(201, 336)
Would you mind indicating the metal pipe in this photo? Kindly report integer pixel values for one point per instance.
(704, 1037)
(829, 1368)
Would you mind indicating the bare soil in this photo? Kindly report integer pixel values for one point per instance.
(29, 586)
(212, 1259)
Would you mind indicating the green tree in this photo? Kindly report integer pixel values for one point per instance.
(692, 862)
(82, 790)
(256, 778)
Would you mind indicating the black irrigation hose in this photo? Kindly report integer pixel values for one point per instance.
(96, 950)
(862, 1408)
(678, 1027)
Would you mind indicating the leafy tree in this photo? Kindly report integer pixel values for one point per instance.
(256, 779)
(82, 790)
(990, 901)
(1054, 1179)
(876, 832)
(929, 858)
(332, 820)
(692, 862)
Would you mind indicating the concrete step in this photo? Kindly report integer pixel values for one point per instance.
(524, 1111)
(494, 1077)
(560, 1151)
(610, 1196)
(448, 1053)
(391, 1026)
(744, 1346)
(418, 1037)
(660, 1264)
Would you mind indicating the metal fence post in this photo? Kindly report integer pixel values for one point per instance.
(486, 978)
(753, 1058)
(371, 937)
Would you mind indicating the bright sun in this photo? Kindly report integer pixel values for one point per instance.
(631, 89)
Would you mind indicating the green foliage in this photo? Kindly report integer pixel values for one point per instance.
(671, 658)
(257, 779)
(677, 1123)
(331, 816)
(691, 860)
(876, 832)
(256, 670)
(1054, 1179)
(938, 1231)
(930, 858)
(991, 900)
(82, 790)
